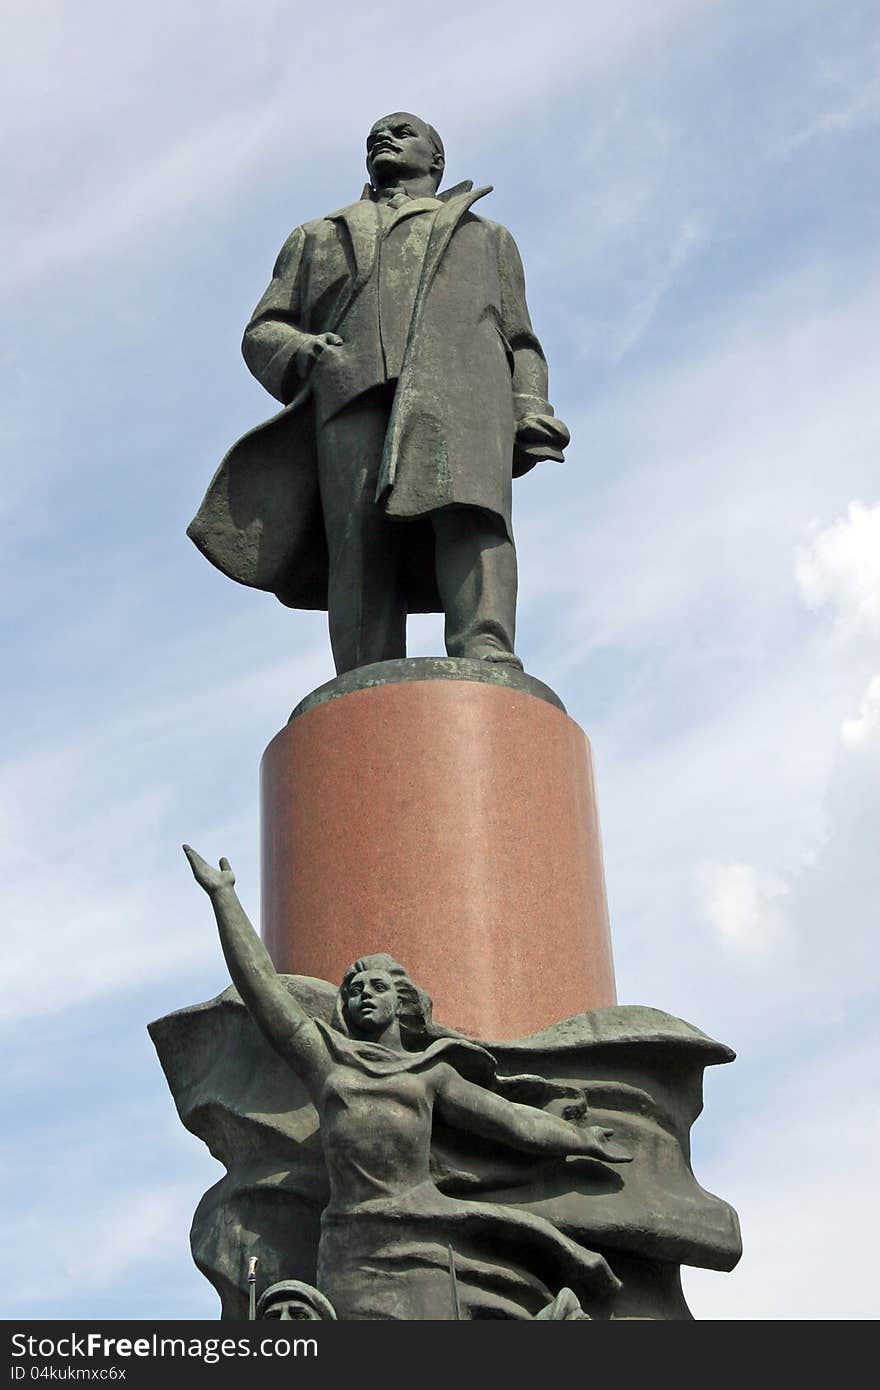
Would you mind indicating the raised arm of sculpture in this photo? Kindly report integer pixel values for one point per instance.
(463, 1104)
(273, 1008)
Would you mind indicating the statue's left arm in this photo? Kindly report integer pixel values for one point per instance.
(539, 435)
(472, 1108)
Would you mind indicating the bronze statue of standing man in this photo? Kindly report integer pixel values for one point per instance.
(396, 334)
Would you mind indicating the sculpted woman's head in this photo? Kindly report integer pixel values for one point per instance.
(376, 991)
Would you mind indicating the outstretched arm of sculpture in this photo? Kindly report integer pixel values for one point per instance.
(277, 1014)
(470, 1107)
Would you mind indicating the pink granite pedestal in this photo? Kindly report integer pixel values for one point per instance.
(452, 823)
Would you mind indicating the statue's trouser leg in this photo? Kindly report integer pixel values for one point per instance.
(476, 576)
(366, 611)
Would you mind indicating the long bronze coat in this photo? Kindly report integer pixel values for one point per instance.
(472, 374)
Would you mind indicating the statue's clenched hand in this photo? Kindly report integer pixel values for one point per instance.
(315, 345)
(211, 879)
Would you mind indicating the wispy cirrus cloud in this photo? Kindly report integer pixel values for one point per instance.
(857, 108)
(92, 821)
(124, 164)
(709, 311)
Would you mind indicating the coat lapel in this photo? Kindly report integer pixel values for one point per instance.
(455, 205)
(445, 223)
(361, 222)
(411, 209)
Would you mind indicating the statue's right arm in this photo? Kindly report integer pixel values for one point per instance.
(274, 335)
(284, 1023)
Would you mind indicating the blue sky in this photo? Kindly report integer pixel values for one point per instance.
(692, 184)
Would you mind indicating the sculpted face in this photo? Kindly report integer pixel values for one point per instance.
(400, 147)
(372, 1002)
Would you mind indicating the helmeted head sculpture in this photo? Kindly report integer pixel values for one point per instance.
(291, 1300)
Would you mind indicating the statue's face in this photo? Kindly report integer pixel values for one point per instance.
(292, 1309)
(372, 1001)
(399, 146)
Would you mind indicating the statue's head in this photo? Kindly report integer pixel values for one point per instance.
(375, 991)
(403, 146)
(292, 1301)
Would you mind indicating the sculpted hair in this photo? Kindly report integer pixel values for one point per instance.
(414, 1015)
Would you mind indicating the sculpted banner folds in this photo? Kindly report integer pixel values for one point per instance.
(641, 1070)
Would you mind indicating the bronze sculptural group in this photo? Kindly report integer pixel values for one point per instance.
(386, 1230)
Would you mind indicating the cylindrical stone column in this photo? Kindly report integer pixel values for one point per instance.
(449, 819)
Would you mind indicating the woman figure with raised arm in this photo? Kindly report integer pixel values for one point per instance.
(377, 1081)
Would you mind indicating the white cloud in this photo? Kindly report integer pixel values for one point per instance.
(857, 731)
(839, 570)
(745, 907)
(798, 1161)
